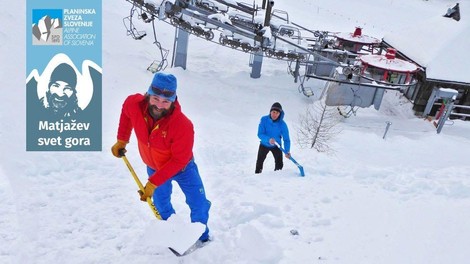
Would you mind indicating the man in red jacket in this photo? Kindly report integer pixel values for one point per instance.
(165, 137)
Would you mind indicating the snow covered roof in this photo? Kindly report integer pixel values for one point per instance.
(362, 39)
(395, 64)
(439, 44)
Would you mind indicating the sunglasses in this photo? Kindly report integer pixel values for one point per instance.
(166, 93)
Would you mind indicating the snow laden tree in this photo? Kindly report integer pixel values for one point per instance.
(317, 126)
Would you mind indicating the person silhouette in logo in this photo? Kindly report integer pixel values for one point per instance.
(61, 96)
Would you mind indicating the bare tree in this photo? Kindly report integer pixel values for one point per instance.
(317, 127)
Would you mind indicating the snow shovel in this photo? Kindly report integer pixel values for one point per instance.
(302, 173)
(175, 233)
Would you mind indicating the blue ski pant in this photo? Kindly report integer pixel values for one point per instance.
(191, 184)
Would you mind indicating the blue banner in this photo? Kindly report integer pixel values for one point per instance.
(64, 75)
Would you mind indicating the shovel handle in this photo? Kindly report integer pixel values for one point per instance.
(137, 180)
(139, 183)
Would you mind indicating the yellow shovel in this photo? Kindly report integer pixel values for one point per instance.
(141, 187)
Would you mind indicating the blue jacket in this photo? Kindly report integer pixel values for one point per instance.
(268, 128)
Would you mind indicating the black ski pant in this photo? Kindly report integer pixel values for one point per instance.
(263, 152)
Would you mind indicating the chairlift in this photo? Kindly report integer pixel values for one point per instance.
(129, 24)
(157, 65)
(131, 30)
(347, 111)
(307, 91)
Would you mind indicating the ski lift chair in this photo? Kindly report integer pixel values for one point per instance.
(131, 30)
(307, 91)
(156, 65)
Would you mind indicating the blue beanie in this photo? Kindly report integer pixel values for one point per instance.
(163, 85)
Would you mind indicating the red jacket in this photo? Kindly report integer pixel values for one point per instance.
(165, 145)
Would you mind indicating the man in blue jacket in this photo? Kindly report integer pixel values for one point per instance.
(271, 130)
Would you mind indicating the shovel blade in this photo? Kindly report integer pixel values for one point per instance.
(176, 233)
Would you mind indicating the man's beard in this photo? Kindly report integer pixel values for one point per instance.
(62, 106)
(58, 102)
(157, 113)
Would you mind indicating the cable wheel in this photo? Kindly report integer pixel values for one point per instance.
(222, 40)
(198, 31)
(269, 52)
(174, 21)
(209, 35)
(279, 55)
(246, 47)
(234, 44)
